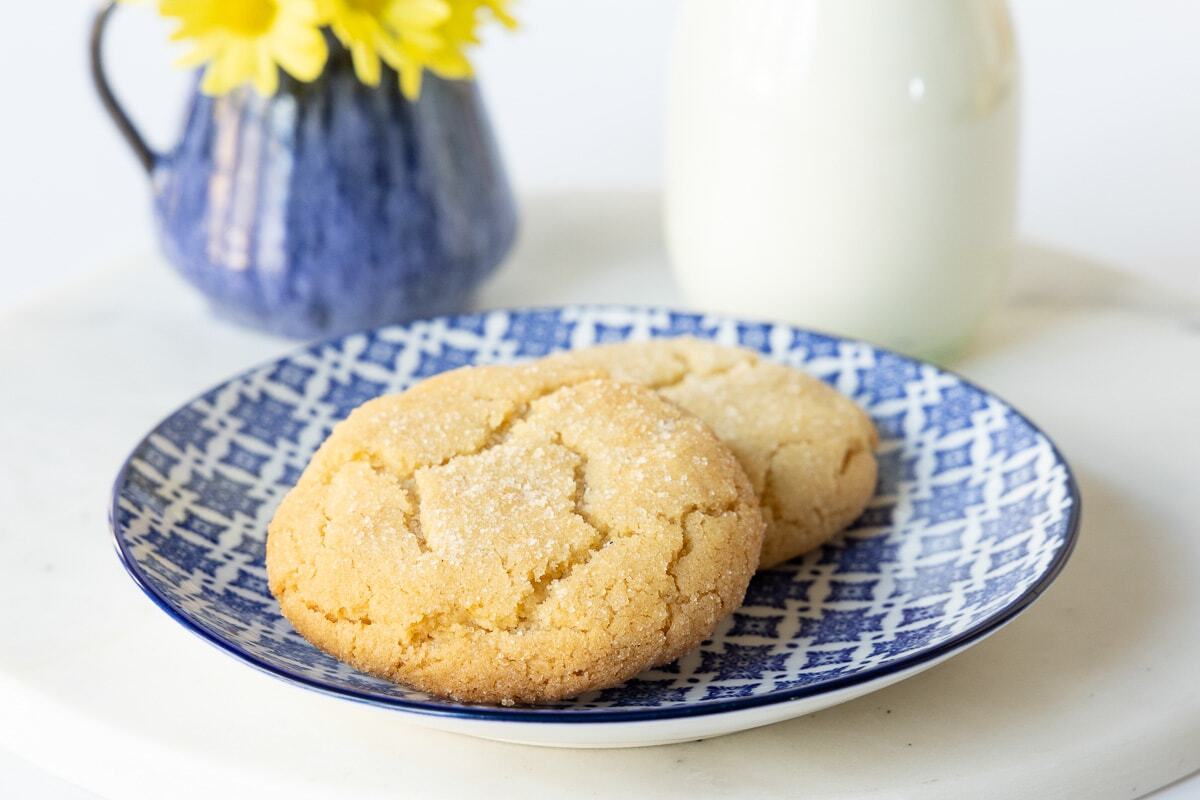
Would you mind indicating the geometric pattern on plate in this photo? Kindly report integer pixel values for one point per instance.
(974, 513)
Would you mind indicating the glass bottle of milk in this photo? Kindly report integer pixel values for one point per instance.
(846, 165)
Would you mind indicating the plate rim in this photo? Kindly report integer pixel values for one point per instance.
(491, 713)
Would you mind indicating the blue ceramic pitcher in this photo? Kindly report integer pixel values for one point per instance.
(331, 206)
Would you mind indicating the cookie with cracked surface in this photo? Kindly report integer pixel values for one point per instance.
(514, 535)
(808, 449)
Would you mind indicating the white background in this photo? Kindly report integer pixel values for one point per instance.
(1110, 158)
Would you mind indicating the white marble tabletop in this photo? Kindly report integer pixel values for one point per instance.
(1090, 694)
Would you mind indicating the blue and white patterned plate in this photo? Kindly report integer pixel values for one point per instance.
(974, 515)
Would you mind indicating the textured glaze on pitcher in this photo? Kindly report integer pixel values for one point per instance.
(335, 206)
(847, 165)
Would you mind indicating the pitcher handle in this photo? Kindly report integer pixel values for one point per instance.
(145, 155)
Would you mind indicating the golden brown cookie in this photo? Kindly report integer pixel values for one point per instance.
(514, 534)
(808, 450)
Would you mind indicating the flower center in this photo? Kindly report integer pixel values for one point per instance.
(247, 17)
(372, 7)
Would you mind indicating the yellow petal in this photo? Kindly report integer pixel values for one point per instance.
(406, 15)
(223, 74)
(301, 52)
(499, 9)
(242, 62)
(410, 80)
(188, 29)
(327, 10)
(366, 63)
(211, 84)
(304, 11)
(450, 63)
(422, 40)
(175, 8)
(390, 51)
(202, 51)
(266, 74)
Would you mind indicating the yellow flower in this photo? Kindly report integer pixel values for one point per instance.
(375, 29)
(446, 56)
(248, 40)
